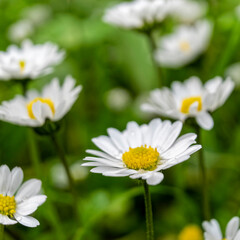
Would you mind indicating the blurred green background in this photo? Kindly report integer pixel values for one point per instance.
(116, 71)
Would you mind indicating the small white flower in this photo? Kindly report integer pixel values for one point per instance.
(184, 45)
(20, 30)
(30, 61)
(213, 231)
(33, 110)
(18, 201)
(59, 176)
(187, 11)
(190, 99)
(141, 151)
(234, 72)
(137, 14)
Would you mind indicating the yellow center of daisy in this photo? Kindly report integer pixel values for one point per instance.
(7, 205)
(187, 102)
(143, 157)
(42, 100)
(185, 46)
(22, 65)
(190, 232)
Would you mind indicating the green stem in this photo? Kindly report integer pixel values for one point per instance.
(204, 181)
(158, 68)
(1, 232)
(61, 155)
(148, 209)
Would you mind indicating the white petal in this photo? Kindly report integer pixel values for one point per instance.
(205, 120)
(30, 188)
(5, 220)
(27, 221)
(232, 228)
(5, 178)
(133, 135)
(16, 180)
(155, 178)
(118, 139)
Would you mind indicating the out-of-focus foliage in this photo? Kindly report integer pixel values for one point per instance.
(101, 58)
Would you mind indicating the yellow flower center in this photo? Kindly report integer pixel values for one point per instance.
(7, 205)
(185, 46)
(42, 100)
(187, 102)
(191, 232)
(22, 65)
(143, 157)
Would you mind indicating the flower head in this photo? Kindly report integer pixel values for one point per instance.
(138, 14)
(191, 232)
(141, 151)
(213, 231)
(34, 109)
(190, 99)
(18, 201)
(184, 45)
(30, 61)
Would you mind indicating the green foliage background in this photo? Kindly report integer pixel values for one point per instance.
(102, 57)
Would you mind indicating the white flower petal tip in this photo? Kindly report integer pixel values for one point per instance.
(30, 61)
(184, 45)
(141, 151)
(190, 99)
(213, 231)
(19, 200)
(53, 103)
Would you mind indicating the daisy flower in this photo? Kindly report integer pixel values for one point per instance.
(138, 14)
(184, 45)
(17, 200)
(141, 151)
(190, 99)
(187, 11)
(33, 110)
(191, 232)
(213, 231)
(30, 61)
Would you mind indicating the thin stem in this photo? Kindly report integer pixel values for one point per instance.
(61, 155)
(1, 232)
(148, 209)
(204, 181)
(158, 68)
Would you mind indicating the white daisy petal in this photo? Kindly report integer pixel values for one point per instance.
(5, 178)
(5, 220)
(155, 178)
(27, 221)
(16, 180)
(232, 228)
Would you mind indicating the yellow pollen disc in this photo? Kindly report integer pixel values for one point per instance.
(187, 102)
(7, 205)
(143, 157)
(22, 65)
(191, 232)
(224, 239)
(185, 46)
(42, 100)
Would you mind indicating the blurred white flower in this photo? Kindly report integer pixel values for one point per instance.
(141, 151)
(190, 99)
(187, 11)
(59, 176)
(137, 14)
(213, 230)
(30, 61)
(237, 10)
(184, 45)
(118, 99)
(34, 109)
(234, 72)
(18, 201)
(20, 30)
(37, 14)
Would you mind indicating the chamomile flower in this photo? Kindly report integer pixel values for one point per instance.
(33, 110)
(213, 231)
(30, 61)
(187, 11)
(138, 14)
(184, 45)
(17, 200)
(141, 151)
(190, 99)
